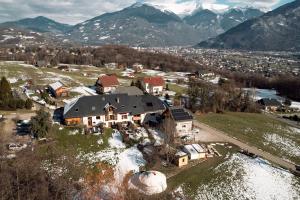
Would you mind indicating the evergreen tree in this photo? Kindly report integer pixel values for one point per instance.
(5, 89)
(28, 104)
(40, 124)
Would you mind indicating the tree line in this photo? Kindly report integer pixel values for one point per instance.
(286, 85)
(205, 97)
(100, 56)
(8, 101)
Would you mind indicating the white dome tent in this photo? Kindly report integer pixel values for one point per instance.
(148, 182)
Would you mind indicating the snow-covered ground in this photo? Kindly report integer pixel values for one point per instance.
(151, 72)
(241, 177)
(124, 160)
(265, 93)
(285, 144)
(158, 136)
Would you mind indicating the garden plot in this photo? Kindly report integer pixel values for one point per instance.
(241, 177)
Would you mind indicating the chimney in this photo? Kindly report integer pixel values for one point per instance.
(118, 99)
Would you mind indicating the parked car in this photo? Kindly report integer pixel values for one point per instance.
(16, 146)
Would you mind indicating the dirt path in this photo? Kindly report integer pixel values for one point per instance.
(7, 130)
(274, 159)
(8, 126)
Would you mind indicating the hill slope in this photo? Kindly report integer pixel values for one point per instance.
(38, 24)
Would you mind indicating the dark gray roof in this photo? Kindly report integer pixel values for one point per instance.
(123, 103)
(130, 90)
(269, 102)
(180, 114)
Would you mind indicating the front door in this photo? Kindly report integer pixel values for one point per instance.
(90, 123)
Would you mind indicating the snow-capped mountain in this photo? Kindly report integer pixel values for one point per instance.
(141, 25)
(276, 30)
(138, 25)
(211, 24)
(21, 37)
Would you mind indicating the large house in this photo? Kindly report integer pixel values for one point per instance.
(112, 109)
(182, 121)
(58, 89)
(107, 83)
(153, 85)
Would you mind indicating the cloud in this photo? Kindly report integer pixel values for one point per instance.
(257, 3)
(75, 11)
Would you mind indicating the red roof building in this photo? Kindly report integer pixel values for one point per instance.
(154, 81)
(107, 83)
(153, 85)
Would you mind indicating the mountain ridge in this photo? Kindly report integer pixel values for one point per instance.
(276, 30)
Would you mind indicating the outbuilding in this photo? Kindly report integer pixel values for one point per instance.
(191, 152)
(201, 151)
(181, 159)
(182, 120)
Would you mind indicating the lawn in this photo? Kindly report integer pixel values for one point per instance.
(177, 88)
(259, 130)
(72, 139)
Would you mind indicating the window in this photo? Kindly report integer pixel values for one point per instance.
(183, 126)
(98, 117)
(124, 116)
(183, 160)
(149, 104)
(111, 117)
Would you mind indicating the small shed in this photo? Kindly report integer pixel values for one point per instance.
(181, 159)
(191, 152)
(57, 89)
(201, 151)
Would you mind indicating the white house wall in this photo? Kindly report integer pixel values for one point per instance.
(184, 128)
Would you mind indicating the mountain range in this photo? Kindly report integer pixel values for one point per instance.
(142, 25)
(146, 25)
(278, 30)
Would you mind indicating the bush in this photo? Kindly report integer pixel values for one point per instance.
(28, 104)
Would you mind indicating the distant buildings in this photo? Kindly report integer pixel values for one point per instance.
(107, 83)
(269, 104)
(153, 85)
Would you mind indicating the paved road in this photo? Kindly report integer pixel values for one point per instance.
(274, 159)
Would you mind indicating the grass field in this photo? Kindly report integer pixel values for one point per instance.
(68, 138)
(259, 130)
(177, 88)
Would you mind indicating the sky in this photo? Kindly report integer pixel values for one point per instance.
(76, 11)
